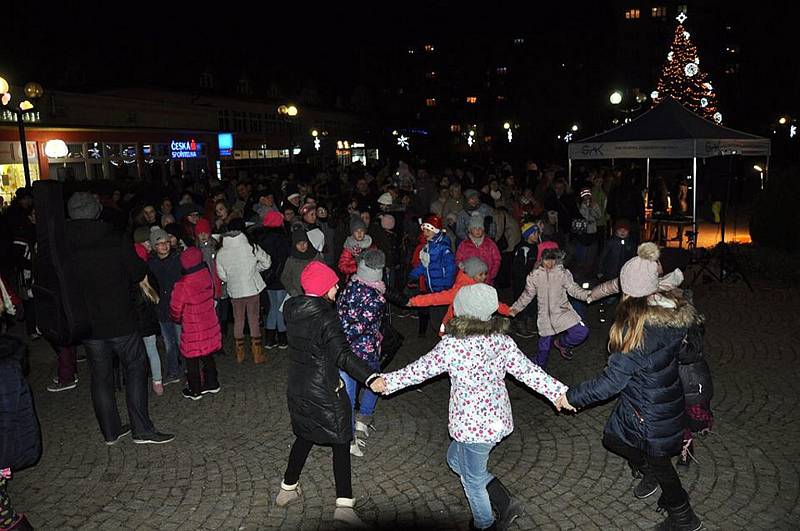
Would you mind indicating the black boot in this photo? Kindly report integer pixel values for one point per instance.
(680, 518)
(507, 508)
(647, 486)
(269, 339)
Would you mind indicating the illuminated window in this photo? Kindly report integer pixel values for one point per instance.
(472, 99)
(429, 48)
(430, 75)
(455, 128)
(487, 139)
(430, 102)
(501, 70)
(411, 51)
(683, 8)
(658, 12)
(519, 41)
(732, 69)
(501, 98)
(632, 14)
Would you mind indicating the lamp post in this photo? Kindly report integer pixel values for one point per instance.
(760, 170)
(33, 91)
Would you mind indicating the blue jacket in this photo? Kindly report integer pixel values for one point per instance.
(649, 414)
(440, 273)
(20, 440)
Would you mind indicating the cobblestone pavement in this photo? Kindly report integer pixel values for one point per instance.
(224, 469)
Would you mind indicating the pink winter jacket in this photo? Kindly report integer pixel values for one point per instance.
(488, 252)
(192, 306)
(555, 313)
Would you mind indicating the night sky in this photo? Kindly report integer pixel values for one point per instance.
(334, 48)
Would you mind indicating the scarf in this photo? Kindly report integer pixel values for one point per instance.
(477, 241)
(353, 244)
(377, 285)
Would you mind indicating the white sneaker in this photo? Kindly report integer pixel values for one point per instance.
(355, 447)
(362, 429)
(346, 513)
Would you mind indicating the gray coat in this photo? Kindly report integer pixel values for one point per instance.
(292, 269)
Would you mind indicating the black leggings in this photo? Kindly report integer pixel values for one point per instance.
(341, 466)
(672, 492)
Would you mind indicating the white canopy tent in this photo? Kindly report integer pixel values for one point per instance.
(670, 131)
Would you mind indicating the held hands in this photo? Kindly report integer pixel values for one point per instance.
(512, 312)
(378, 385)
(562, 402)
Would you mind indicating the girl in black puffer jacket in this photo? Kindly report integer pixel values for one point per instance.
(319, 407)
(646, 425)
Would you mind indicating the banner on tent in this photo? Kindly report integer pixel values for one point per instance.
(669, 149)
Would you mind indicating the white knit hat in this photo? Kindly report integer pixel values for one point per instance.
(476, 300)
(639, 275)
(385, 199)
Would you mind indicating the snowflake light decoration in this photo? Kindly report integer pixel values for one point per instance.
(317, 144)
(681, 18)
(686, 35)
(703, 102)
(697, 60)
(690, 69)
(470, 141)
(793, 131)
(403, 142)
(654, 95)
(670, 55)
(718, 117)
(509, 135)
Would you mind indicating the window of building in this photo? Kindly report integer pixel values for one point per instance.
(429, 48)
(430, 102)
(255, 122)
(732, 69)
(683, 8)
(206, 80)
(455, 128)
(501, 98)
(243, 87)
(411, 51)
(501, 70)
(472, 99)
(631, 14)
(658, 12)
(430, 75)
(223, 120)
(519, 41)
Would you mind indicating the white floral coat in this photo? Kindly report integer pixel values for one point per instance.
(480, 411)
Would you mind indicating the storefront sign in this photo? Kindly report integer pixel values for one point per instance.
(185, 150)
(225, 141)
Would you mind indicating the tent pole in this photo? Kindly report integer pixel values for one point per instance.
(647, 182)
(694, 198)
(766, 170)
(569, 172)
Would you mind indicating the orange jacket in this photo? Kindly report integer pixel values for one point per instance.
(447, 297)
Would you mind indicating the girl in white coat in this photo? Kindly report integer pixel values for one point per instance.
(239, 265)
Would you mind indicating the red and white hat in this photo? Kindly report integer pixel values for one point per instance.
(432, 222)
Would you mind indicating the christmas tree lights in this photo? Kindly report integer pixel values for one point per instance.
(682, 78)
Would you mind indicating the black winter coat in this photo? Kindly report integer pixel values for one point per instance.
(695, 374)
(319, 407)
(167, 271)
(146, 315)
(521, 265)
(276, 244)
(615, 253)
(20, 439)
(649, 414)
(106, 267)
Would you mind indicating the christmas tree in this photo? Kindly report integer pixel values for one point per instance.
(682, 79)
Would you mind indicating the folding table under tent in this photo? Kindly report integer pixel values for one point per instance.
(670, 131)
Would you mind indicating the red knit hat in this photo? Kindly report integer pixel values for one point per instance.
(272, 218)
(544, 246)
(432, 222)
(202, 225)
(317, 278)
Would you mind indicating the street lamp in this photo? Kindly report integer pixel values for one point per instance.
(33, 91)
(760, 170)
(615, 98)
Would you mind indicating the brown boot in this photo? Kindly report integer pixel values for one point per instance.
(238, 345)
(258, 351)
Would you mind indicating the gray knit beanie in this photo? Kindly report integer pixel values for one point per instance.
(475, 222)
(370, 265)
(477, 300)
(473, 266)
(158, 234)
(83, 205)
(357, 223)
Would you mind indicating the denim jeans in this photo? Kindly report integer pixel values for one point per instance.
(469, 461)
(274, 319)
(171, 333)
(152, 357)
(366, 401)
(100, 354)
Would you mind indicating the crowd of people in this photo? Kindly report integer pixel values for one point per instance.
(167, 270)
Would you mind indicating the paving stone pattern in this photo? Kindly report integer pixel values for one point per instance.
(224, 469)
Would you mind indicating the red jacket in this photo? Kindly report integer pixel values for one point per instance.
(347, 260)
(192, 306)
(446, 297)
(488, 252)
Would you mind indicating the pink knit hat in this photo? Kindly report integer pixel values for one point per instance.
(543, 247)
(639, 275)
(317, 278)
(272, 218)
(387, 221)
